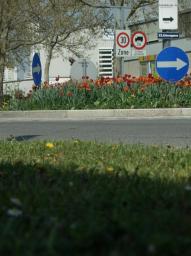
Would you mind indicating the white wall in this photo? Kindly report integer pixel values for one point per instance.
(61, 65)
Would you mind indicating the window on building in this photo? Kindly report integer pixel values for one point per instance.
(106, 62)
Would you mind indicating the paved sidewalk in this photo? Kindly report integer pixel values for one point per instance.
(96, 114)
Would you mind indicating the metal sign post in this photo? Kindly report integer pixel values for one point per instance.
(84, 67)
(120, 14)
(123, 27)
(123, 46)
(165, 42)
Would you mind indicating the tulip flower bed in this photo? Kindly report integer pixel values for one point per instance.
(106, 93)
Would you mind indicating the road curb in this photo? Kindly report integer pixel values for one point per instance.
(96, 114)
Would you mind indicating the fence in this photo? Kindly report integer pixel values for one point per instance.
(26, 84)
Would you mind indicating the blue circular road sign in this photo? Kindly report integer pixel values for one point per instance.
(172, 64)
(36, 70)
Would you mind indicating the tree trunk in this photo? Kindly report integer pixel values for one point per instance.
(47, 63)
(3, 48)
(2, 69)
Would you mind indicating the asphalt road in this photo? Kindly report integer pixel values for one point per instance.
(145, 131)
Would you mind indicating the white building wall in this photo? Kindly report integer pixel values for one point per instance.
(61, 66)
(132, 67)
(10, 74)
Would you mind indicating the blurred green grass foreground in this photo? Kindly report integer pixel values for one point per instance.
(83, 198)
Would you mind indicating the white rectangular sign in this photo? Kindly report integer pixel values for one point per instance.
(168, 14)
(123, 43)
(139, 53)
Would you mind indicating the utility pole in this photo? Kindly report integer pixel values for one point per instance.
(119, 15)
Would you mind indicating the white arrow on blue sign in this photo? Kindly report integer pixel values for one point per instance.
(36, 70)
(172, 64)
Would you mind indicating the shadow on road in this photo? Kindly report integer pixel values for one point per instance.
(22, 137)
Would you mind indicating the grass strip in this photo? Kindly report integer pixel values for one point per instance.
(84, 198)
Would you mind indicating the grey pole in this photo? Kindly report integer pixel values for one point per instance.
(165, 42)
(121, 26)
(84, 67)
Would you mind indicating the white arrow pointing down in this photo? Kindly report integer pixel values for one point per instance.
(178, 64)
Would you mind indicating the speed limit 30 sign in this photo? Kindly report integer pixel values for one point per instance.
(123, 46)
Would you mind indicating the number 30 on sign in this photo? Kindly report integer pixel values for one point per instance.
(123, 46)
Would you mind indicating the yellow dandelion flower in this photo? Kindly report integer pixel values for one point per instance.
(109, 169)
(76, 142)
(49, 145)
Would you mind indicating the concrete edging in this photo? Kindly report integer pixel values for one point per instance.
(96, 113)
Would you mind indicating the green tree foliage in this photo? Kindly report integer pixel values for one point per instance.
(19, 26)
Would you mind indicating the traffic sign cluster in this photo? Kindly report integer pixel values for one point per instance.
(172, 63)
(124, 41)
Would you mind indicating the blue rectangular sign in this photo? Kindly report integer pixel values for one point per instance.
(168, 35)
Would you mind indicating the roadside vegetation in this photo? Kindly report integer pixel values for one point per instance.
(84, 198)
(104, 93)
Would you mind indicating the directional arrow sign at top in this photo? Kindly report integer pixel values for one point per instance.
(36, 70)
(168, 14)
(172, 64)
